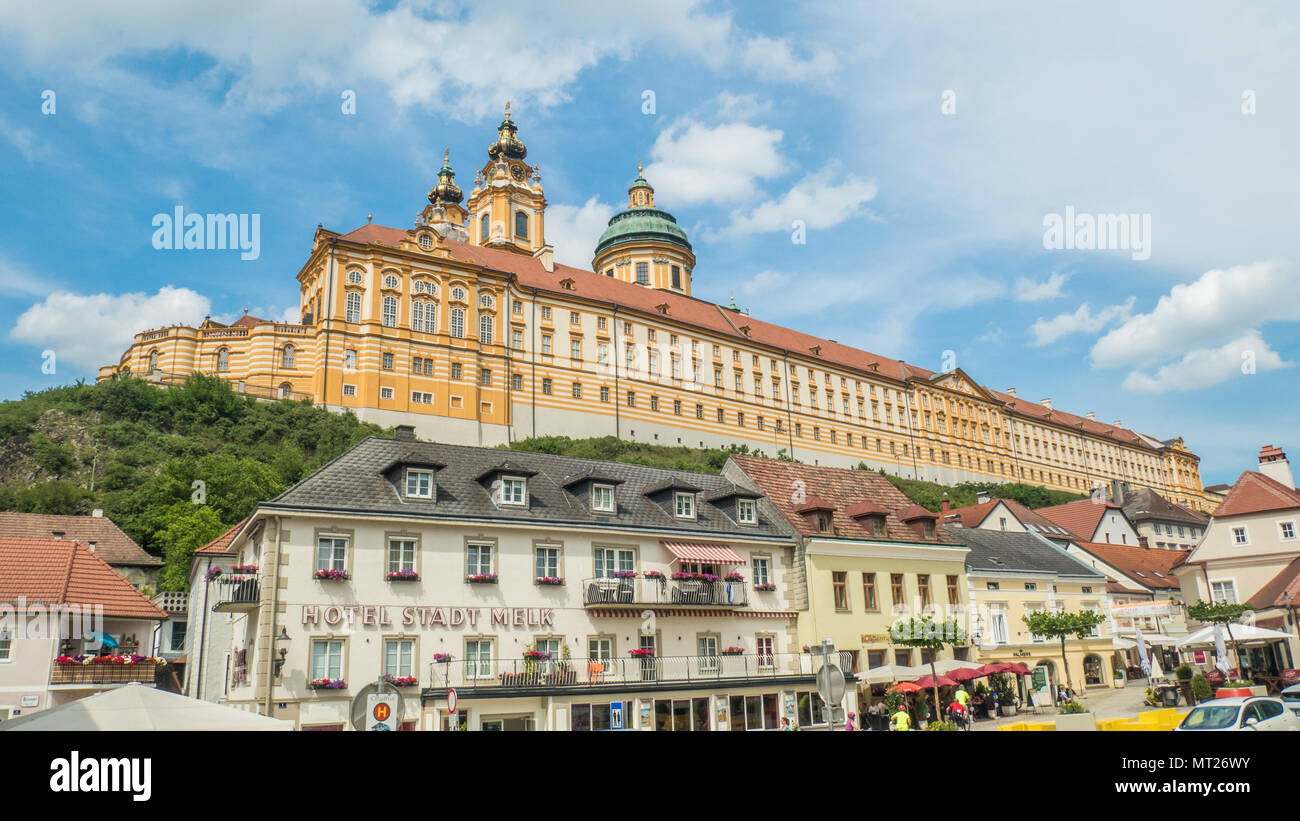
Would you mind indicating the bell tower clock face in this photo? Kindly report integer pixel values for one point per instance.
(518, 173)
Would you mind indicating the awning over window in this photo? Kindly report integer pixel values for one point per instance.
(706, 553)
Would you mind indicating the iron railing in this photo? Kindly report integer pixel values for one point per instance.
(237, 593)
(630, 671)
(664, 591)
(97, 674)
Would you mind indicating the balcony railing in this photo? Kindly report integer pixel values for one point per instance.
(101, 674)
(630, 672)
(606, 592)
(237, 594)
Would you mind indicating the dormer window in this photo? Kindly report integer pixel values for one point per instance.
(927, 528)
(602, 498)
(824, 521)
(426, 242)
(514, 490)
(419, 484)
(684, 505)
(876, 524)
(747, 511)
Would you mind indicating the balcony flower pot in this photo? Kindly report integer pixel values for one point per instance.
(243, 569)
(733, 651)
(442, 658)
(550, 581)
(404, 575)
(537, 655)
(641, 653)
(653, 574)
(327, 684)
(401, 681)
(482, 578)
(623, 574)
(331, 575)
(213, 573)
(765, 588)
(733, 577)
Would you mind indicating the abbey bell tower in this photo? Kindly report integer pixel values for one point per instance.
(644, 244)
(507, 208)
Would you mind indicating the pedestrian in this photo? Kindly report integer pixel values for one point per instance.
(902, 721)
(785, 724)
(848, 725)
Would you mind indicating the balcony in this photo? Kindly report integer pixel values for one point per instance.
(98, 674)
(502, 675)
(237, 594)
(664, 592)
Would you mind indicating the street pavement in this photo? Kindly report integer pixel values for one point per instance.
(1103, 702)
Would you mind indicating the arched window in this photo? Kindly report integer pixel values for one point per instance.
(457, 321)
(426, 241)
(350, 359)
(424, 316)
(521, 224)
(483, 228)
(153, 361)
(390, 311)
(458, 294)
(285, 390)
(485, 330)
(354, 277)
(390, 281)
(486, 301)
(286, 359)
(223, 360)
(354, 307)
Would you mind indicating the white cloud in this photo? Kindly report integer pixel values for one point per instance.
(1083, 320)
(697, 163)
(821, 200)
(765, 282)
(1028, 290)
(84, 328)
(1210, 366)
(573, 230)
(14, 280)
(735, 108)
(1219, 306)
(773, 59)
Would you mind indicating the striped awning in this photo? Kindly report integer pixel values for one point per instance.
(707, 553)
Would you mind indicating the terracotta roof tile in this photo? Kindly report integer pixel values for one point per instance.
(1255, 493)
(64, 571)
(1147, 566)
(974, 516)
(1080, 518)
(1278, 588)
(221, 544)
(110, 543)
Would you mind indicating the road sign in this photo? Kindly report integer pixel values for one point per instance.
(362, 712)
(451, 700)
(381, 711)
(830, 684)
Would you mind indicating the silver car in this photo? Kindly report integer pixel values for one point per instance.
(1253, 713)
(1291, 698)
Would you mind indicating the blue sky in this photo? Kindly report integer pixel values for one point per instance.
(922, 145)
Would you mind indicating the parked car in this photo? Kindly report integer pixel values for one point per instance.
(1255, 714)
(1291, 698)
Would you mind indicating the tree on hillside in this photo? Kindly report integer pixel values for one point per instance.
(187, 528)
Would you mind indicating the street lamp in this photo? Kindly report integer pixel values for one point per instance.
(280, 640)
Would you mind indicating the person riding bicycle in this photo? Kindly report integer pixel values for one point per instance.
(957, 712)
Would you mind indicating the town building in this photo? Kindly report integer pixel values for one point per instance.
(99, 535)
(1158, 521)
(464, 326)
(1093, 520)
(70, 625)
(1012, 574)
(208, 633)
(1248, 554)
(549, 593)
(1006, 515)
(870, 557)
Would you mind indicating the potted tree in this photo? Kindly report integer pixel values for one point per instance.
(1059, 625)
(1183, 673)
(1201, 689)
(931, 635)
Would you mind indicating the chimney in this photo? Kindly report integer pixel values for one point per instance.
(1012, 391)
(546, 254)
(1117, 491)
(981, 497)
(1118, 423)
(947, 508)
(405, 433)
(1047, 403)
(1092, 417)
(97, 512)
(1144, 542)
(1274, 465)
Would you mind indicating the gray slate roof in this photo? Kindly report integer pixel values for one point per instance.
(367, 479)
(1024, 552)
(1142, 504)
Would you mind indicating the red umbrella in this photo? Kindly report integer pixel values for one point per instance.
(966, 674)
(927, 682)
(1019, 669)
(906, 687)
(994, 667)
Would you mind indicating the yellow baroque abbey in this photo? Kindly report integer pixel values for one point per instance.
(464, 326)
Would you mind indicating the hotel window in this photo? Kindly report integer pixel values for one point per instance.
(896, 588)
(547, 562)
(546, 313)
(458, 322)
(1223, 592)
(577, 390)
(485, 330)
(478, 559)
(7, 645)
(401, 555)
(424, 317)
(869, 592)
(390, 311)
(954, 594)
(223, 360)
(839, 587)
(485, 377)
(386, 361)
(399, 658)
(390, 281)
(1239, 535)
(740, 419)
(611, 560)
(516, 307)
(903, 658)
(326, 660)
(923, 586)
(643, 273)
(331, 553)
(699, 411)
(602, 352)
(478, 659)
(286, 359)
(747, 511)
(677, 407)
(601, 323)
(384, 393)
(350, 360)
(420, 398)
(762, 570)
(998, 625)
(708, 652)
(654, 403)
(514, 491)
(722, 415)
(1031, 586)
(575, 349)
(684, 505)
(354, 277)
(602, 498)
(763, 649)
(419, 484)
(631, 399)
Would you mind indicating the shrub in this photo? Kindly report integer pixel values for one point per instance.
(1071, 707)
(1201, 688)
(941, 726)
(1183, 672)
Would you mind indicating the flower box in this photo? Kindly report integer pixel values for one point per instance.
(694, 577)
(442, 658)
(653, 574)
(332, 575)
(401, 681)
(482, 578)
(765, 588)
(624, 574)
(553, 581)
(734, 577)
(243, 569)
(214, 572)
(733, 651)
(328, 684)
(537, 655)
(641, 653)
(404, 575)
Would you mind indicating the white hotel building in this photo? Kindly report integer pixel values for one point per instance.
(550, 593)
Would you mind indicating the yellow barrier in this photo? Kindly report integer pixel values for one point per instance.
(1019, 726)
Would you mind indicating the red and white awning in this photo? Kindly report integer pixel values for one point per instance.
(705, 553)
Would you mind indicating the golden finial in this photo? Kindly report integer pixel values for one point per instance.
(638, 166)
(446, 156)
(507, 109)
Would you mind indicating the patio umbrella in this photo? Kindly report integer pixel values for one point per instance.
(966, 674)
(104, 639)
(906, 687)
(928, 682)
(949, 666)
(1018, 669)
(995, 667)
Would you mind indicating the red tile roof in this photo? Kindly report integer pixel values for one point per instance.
(110, 543)
(64, 571)
(1147, 566)
(1276, 591)
(699, 313)
(841, 488)
(974, 516)
(221, 544)
(1080, 518)
(1255, 493)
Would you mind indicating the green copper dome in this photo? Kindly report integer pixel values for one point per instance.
(642, 225)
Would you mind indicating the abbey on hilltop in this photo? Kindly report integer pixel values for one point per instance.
(464, 326)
